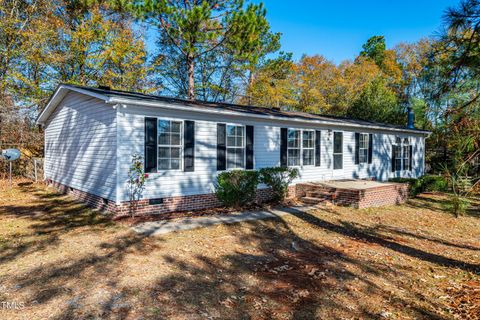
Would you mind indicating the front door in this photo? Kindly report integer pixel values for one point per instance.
(337, 155)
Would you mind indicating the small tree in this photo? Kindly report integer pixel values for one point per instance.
(461, 186)
(136, 182)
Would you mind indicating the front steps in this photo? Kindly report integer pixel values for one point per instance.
(319, 196)
(355, 193)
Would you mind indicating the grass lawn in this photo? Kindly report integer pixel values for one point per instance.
(60, 260)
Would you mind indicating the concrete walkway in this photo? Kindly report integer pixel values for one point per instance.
(154, 228)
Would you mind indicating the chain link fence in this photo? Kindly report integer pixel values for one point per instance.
(29, 167)
(34, 169)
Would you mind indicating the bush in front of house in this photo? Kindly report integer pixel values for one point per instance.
(278, 179)
(237, 188)
(414, 185)
(428, 183)
(434, 183)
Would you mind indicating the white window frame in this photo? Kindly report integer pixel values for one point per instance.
(402, 154)
(312, 148)
(180, 146)
(333, 150)
(300, 148)
(406, 153)
(363, 151)
(235, 147)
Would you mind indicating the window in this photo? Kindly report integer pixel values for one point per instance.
(402, 154)
(308, 147)
(398, 158)
(293, 145)
(338, 150)
(235, 147)
(300, 147)
(170, 142)
(406, 154)
(363, 148)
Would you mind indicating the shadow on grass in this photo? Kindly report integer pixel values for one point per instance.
(404, 232)
(278, 281)
(364, 234)
(439, 202)
(49, 215)
(272, 272)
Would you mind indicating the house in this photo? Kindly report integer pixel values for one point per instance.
(92, 133)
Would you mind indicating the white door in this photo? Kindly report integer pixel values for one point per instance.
(338, 171)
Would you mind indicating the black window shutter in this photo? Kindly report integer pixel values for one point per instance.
(370, 148)
(357, 148)
(410, 157)
(249, 147)
(318, 135)
(150, 162)
(189, 146)
(283, 146)
(393, 158)
(221, 146)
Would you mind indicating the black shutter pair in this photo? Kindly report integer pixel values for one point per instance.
(284, 148)
(151, 146)
(357, 147)
(222, 147)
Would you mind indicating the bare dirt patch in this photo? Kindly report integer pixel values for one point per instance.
(60, 260)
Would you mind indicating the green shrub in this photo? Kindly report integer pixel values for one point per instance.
(426, 183)
(415, 185)
(457, 204)
(434, 183)
(236, 188)
(278, 179)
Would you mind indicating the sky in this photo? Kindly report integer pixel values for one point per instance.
(337, 29)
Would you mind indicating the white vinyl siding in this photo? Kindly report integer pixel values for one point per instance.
(81, 145)
(266, 152)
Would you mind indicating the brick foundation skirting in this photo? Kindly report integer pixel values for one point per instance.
(143, 207)
(89, 199)
(371, 197)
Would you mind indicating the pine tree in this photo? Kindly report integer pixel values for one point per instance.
(202, 32)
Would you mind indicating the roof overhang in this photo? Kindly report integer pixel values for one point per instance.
(62, 90)
(175, 106)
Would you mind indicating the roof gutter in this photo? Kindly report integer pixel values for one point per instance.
(113, 100)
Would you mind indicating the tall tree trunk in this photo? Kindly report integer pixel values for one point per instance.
(191, 76)
(251, 79)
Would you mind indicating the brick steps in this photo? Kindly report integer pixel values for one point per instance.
(320, 194)
(387, 194)
(312, 200)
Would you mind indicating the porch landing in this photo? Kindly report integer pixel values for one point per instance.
(351, 192)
